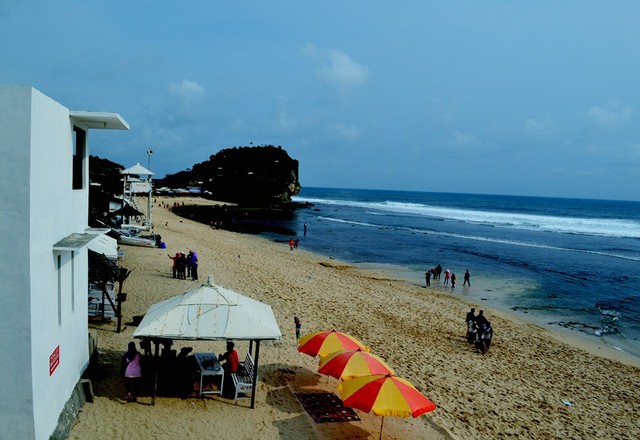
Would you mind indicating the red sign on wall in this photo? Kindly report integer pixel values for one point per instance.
(54, 360)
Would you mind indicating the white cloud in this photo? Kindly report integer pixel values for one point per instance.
(184, 102)
(162, 137)
(450, 114)
(285, 122)
(610, 118)
(465, 139)
(187, 90)
(634, 152)
(346, 132)
(539, 127)
(337, 69)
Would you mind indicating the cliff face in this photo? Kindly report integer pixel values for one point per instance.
(249, 176)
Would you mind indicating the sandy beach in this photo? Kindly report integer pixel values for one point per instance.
(533, 383)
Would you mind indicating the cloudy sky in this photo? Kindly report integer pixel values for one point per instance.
(496, 97)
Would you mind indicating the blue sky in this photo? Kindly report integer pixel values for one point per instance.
(494, 97)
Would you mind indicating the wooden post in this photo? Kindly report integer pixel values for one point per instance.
(255, 374)
(118, 314)
(157, 367)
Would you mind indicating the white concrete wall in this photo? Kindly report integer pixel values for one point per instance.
(41, 209)
(53, 198)
(15, 283)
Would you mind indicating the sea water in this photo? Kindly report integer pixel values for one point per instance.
(569, 263)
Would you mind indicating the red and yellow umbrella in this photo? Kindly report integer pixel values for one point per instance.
(347, 364)
(326, 342)
(385, 395)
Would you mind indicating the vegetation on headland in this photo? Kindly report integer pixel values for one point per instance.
(256, 181)
(263, 176)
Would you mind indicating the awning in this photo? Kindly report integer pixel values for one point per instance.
(105, 120)
(105, 245)
(73, 242)
(96, 241)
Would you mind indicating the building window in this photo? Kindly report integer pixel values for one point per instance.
(79, 155)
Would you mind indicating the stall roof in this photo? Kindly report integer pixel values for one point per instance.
(209, 312)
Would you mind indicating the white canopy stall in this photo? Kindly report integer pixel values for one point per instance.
(211, 312)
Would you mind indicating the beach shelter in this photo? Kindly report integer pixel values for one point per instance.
(211, 312)
(384, 395)
(325, 342)
(348, 364)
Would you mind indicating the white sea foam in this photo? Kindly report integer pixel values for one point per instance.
(485, 239)
(568, 225)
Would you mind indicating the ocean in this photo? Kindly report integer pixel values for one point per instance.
(568, 263)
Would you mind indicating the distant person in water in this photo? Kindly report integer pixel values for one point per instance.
(466, 279)
(305, 229)
(427, 278)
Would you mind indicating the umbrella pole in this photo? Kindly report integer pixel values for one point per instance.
(381, 425)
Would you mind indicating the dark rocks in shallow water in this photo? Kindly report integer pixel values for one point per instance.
(241, 219)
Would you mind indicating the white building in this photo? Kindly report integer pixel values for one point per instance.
(43, 276)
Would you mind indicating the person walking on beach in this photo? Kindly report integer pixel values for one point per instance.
(453, 281)
(466, 279)
(427, 278)
(193, 262)
(296, 321)
(447, 275)
(291, 243)
(296, 243)
(438, 270)
(131, 371)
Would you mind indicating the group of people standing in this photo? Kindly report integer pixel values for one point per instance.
(479, 330)
(449, 277)
(185, 265)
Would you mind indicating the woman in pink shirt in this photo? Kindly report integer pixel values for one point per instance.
(132, 371)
